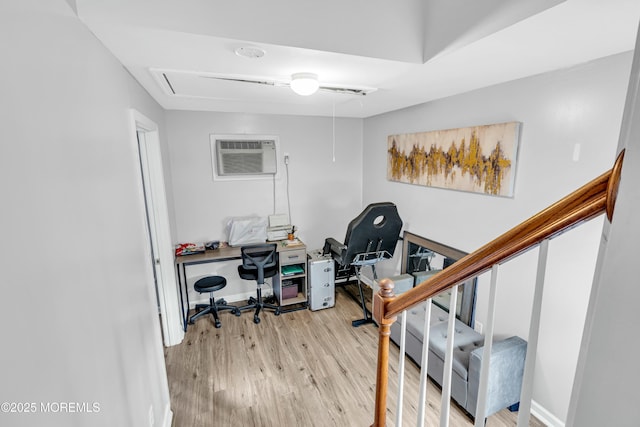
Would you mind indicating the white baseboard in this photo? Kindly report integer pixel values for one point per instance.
(546, 417)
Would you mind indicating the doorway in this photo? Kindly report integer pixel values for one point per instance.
(160, 249)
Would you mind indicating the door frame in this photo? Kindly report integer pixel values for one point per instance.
(167, 285)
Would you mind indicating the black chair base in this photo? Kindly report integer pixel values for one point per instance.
(213, 308)
(360, 322)
(366, 313)
(346, 276)
(259, 305)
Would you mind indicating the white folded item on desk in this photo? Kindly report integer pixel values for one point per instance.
(247, 230)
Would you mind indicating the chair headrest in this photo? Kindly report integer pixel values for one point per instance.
(377, 228)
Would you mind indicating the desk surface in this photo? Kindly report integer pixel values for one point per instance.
(229, 252)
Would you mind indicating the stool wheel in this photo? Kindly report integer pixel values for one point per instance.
(236, 312)
(256, 319)
(277, 312)
(218, 324)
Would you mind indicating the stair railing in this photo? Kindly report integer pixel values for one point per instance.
(587, 202)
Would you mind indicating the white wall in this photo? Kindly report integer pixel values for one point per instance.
(606, 386)
(578, 105)
(78, 306)
(324, 195)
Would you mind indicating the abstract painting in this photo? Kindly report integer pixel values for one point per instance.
(479, 159)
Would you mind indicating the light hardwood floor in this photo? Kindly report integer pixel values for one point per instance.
(298, 369)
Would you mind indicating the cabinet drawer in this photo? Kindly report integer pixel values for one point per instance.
(293, 257)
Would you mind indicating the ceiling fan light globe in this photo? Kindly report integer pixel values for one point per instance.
(304, 84)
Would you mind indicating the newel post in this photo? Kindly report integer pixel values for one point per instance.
(380, 300)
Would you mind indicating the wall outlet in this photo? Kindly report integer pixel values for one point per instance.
(477, 326)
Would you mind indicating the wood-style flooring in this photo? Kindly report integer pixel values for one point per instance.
(298, 369)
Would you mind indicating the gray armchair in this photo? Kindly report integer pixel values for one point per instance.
(507, 360)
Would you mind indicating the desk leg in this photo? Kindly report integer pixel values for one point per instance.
(186, 292)
(184, 323)
(183, 285)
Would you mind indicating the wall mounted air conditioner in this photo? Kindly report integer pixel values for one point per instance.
(244, 156)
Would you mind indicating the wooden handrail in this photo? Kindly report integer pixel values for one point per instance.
(587, 202)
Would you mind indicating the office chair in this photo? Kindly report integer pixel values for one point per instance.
(371, 237)
(258, 263)
(211, 284)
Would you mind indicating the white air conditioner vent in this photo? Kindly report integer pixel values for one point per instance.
(243, 157)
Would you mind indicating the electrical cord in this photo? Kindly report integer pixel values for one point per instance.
(286, 166)
(333, 124)
(274, 193)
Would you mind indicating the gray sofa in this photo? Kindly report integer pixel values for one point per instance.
(507, 359)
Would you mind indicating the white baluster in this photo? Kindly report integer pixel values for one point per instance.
(445, 402)
(532, 345)
(403, 337)
(481, 405)
(425, 359)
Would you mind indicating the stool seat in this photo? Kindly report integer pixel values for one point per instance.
(210, 284)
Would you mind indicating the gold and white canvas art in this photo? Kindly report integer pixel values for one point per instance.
(479, 159)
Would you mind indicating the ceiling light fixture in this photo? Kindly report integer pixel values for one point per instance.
(304, 83)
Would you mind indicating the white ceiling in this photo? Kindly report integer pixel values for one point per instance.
(409, 51)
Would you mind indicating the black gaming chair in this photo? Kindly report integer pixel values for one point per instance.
(371, 237)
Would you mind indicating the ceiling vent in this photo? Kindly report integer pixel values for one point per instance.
(210, 85)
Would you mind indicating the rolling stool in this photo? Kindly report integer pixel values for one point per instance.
(212, 284)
